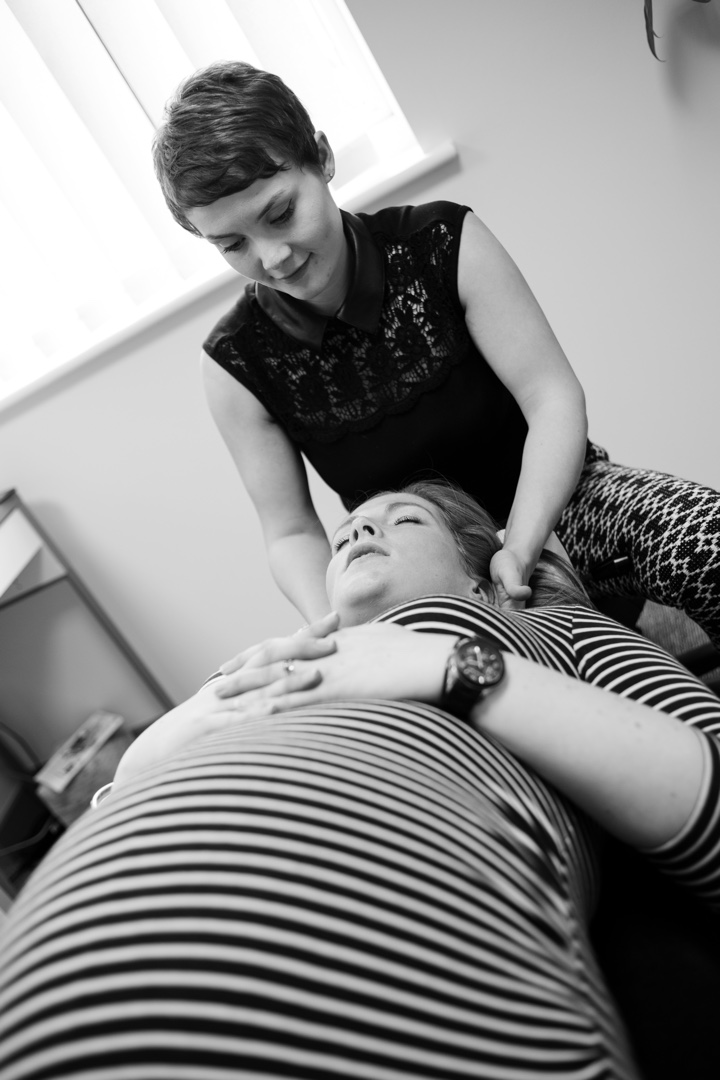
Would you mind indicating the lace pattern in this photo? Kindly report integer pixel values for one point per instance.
(357, 378)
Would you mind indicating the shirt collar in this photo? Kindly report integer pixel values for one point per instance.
(362, 305)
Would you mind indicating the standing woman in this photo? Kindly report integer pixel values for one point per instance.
(384, 346)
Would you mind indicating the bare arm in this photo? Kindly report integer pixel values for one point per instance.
(636, 771)
(275, 478)
(510, 329)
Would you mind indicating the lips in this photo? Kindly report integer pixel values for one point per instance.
(289, 278)
(365, 548)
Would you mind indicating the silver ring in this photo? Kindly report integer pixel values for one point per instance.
(289, 667)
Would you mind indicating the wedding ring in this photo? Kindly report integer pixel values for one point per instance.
(289, 667)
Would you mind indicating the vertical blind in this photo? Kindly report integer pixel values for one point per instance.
(89, 246)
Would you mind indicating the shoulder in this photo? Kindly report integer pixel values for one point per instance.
(621, 660)
(604, 645)
(402, 222)
(541, 634)
(239, 315)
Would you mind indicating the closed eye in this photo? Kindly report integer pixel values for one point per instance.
(233, 247)
(342, 540)
(285, 216)
(281, 219)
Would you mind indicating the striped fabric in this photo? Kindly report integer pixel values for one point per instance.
(587, 645)
(368, 890)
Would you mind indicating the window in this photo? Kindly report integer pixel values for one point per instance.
(90, 251)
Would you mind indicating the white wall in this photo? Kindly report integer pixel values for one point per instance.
(596, 166)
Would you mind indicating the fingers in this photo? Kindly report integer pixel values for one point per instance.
(254, 706)
(273, 679)
(257, 710)
(512, 587)
(512, 597)
(306, 644)
(287, 649)
(240, 660)
(294, 689)
(260, 656)
(518, 592)
(321, 627)
(507, 603)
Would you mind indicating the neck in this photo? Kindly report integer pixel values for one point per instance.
(338, 287)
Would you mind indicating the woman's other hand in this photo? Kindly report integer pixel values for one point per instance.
(202, 714)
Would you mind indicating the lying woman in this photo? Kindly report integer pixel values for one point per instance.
(370, 851)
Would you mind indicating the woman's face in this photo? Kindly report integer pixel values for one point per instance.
(395, 547)
(285, 232)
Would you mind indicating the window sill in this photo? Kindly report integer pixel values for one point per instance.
(374, 190)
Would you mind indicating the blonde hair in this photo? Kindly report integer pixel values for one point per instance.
(553, 582)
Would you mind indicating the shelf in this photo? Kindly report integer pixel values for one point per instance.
(62, 660)
(25, 562)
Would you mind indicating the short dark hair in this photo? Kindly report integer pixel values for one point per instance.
(225, 127)
(553, 582)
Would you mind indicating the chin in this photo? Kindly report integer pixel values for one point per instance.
(361, 607)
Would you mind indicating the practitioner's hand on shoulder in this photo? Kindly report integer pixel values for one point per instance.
(508, 576)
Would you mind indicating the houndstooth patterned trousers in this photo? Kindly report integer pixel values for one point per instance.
(667, 529)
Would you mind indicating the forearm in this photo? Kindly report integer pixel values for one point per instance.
(552, 462)
(634, 770)
(298, 563)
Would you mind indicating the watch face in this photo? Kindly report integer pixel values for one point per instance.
(480, 664)
(474, 666)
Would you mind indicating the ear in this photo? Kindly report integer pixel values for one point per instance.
(484, 590)
(325, 156)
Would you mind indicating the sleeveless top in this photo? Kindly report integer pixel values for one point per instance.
(392, 388)
(359, 889)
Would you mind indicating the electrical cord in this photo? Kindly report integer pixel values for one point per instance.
(21, 844)
(20, 773)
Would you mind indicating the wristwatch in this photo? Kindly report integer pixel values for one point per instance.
(474, 667)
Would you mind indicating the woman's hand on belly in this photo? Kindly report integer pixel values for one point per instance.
(377, 660)
(265, 661)
(200, 715)
(265, 666)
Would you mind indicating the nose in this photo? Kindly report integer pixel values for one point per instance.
(273, 255)
(363, 527)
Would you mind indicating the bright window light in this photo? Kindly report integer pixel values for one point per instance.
(89, 247)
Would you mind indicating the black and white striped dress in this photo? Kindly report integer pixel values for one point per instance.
(365, 889)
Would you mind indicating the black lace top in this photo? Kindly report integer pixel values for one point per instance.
(393, 386)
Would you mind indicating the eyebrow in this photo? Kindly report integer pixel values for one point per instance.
(389, 508)
(277, 197)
